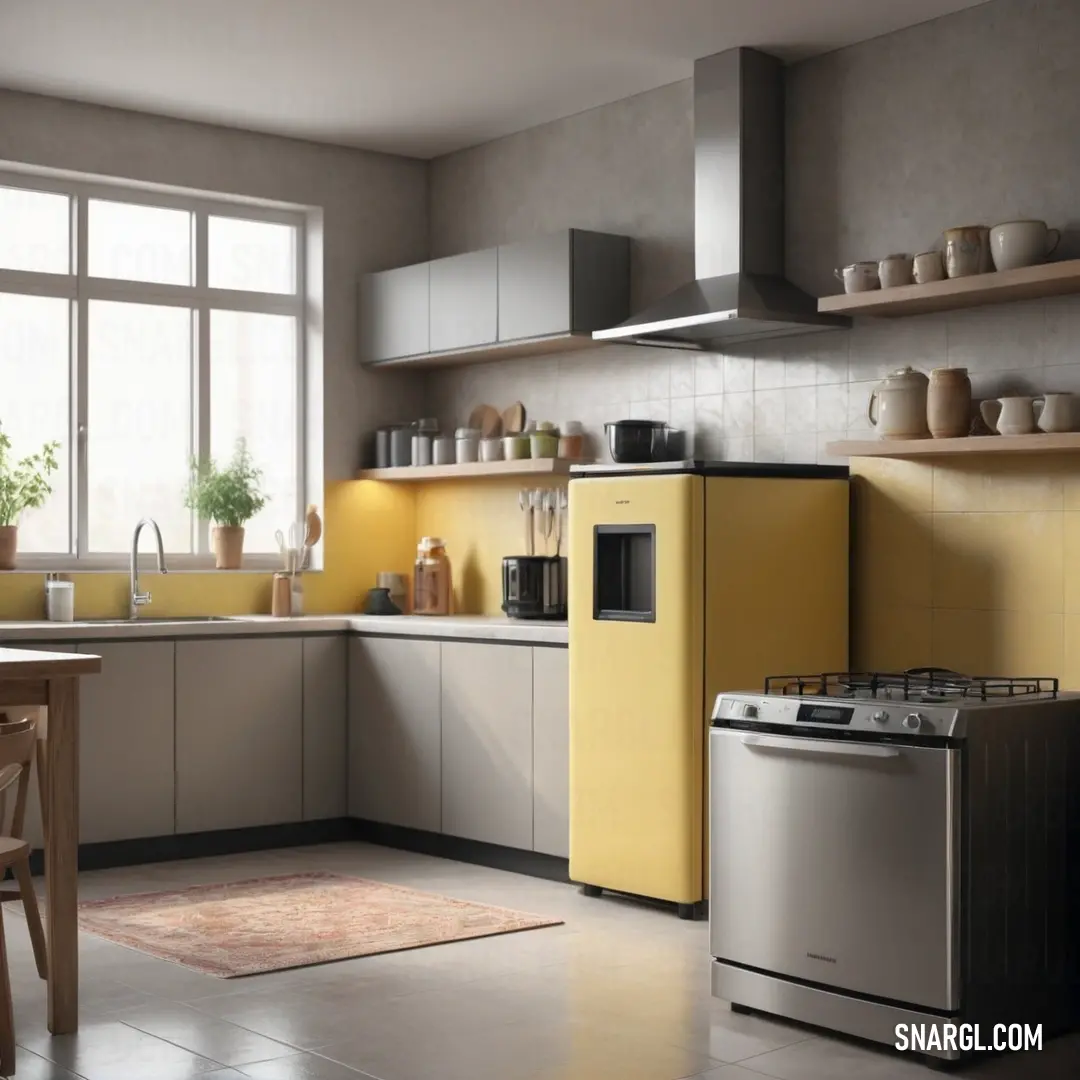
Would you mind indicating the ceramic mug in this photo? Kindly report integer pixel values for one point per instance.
(928, 266)
(895, 270)
(1010, 415)
(1058, 412)
(967, 250)
(859, 277)
(1022, 243)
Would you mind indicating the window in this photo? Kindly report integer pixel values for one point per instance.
(138, 330)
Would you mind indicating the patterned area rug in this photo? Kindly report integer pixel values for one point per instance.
(274, 923)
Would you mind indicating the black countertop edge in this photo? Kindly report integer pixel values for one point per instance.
(754, 469)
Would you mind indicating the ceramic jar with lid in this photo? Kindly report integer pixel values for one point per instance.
(516, 447)
(948, 403)
(544, 442)
(491, 449)
(442, 450)
(467, 444)
(897, 408)
(571, 440)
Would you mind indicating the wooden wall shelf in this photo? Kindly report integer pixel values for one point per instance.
(1068, 442)
(1027, 283)
(472, 470)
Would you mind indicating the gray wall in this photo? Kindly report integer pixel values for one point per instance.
(970, 118)
(375, 216)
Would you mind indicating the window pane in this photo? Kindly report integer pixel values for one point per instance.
(138, 423)
(139, 243)
(35, 231)
(253, 395)
(255, 256)
(34, 350)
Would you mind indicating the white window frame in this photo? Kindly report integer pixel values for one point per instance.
(80, 288)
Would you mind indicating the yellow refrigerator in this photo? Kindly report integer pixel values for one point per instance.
(686, 579)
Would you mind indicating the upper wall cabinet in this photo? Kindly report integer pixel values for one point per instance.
(542, 295)
(394, 312)
(464, 302)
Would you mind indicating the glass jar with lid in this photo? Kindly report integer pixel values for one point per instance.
(431, 578)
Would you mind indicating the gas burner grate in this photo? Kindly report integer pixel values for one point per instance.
(916, 684)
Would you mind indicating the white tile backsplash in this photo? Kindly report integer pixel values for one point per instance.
(779, 400)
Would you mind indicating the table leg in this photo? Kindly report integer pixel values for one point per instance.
(62, 855)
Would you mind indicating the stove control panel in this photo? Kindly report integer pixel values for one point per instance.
(904, 719)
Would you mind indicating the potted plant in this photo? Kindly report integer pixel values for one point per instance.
(24, 485)
(228, 497)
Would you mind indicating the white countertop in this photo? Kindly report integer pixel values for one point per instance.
(470, 627)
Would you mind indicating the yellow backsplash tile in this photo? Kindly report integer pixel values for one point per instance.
(1009, 643)
(909, 483)
(1021, 483)
(999, 562)
(1069, 470)
(1071, 544)
(893, 556)
(1070, 667)
(887, 638)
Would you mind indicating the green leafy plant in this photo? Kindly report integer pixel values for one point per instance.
(228, 496)
(24, 484)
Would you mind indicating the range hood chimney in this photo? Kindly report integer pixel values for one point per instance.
(740, 293)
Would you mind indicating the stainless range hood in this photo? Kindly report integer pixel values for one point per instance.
(740, 293)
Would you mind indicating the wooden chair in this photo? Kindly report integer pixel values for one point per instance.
(18, 743)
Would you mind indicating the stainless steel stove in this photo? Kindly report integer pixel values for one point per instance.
(897, 848)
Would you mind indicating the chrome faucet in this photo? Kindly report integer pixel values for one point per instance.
(138, 599)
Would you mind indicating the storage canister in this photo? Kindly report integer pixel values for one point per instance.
(431, 578)
(571, 440)
(401, 447)
(467, 444)
(491, 449)
(948, 403)
(421, 449)
(442, 451)
(544, 443)
(516, 447)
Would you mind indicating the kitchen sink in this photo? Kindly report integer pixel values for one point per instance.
(164, 619)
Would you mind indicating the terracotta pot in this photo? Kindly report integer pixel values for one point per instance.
(9, 542)
(228, 544)
(948, 403)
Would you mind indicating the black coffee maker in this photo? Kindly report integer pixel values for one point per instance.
(534, 586)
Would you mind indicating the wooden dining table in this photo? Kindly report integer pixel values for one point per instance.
(30, 677)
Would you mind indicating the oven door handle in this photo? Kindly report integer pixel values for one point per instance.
(819, 746)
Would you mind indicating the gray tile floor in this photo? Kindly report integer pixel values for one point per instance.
(620, 992)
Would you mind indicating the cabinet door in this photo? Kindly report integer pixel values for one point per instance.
(394, 313)
(487, 743)
(465, 300)
(394, 737)
(534, 287)
(551, 751)
(126, 730)
(325, 770)
(239, 732)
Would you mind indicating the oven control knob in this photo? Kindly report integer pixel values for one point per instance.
(749, 712)
(913, 721)
(880, 717)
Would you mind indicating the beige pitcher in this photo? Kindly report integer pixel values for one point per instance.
(948, 403)
(897, 408)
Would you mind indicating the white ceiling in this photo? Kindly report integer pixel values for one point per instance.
(415, 77)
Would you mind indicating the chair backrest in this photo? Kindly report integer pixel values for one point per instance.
(17, 743)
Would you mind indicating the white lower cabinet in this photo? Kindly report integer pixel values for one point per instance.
(325, 765)
(551, 751)
(487, 743)
(126, 765)
(239, 732)
(394, 732)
